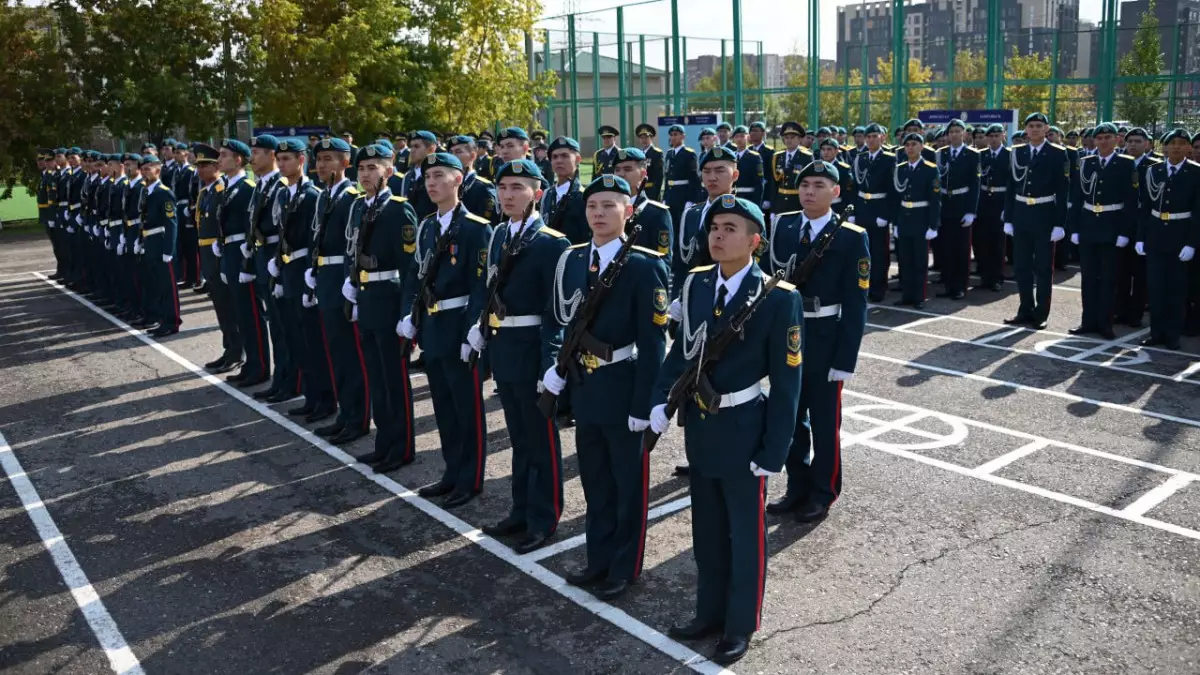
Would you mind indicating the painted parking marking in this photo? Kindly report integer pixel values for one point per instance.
(1009, 457)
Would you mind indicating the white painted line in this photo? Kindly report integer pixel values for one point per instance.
(580, 539)
(1010, 457)
(1158, 495)
(1186, 373)
(1057, 287)
(583, 599)
(1037, 390)
(206, 326)
(1103, 346)
(16, 276)
(920, 322)
(120, 657)
(996, 337)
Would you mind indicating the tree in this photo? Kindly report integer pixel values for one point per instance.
(40, 103)
(1141, 102)
(918, 98)
(1027, 98)
(1075, 106)
(831, 100)
(969, 66)
(713, 83)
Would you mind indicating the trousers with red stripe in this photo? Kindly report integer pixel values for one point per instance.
(457, 394)
(614, 472)
(729, 541)
(251, 317)
(819, 419)
(537, 458)
(162, 303)
(391, 393)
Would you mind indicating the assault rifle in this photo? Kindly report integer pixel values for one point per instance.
(806, 268)
(363, 243)
(426, 299)
(508, 259)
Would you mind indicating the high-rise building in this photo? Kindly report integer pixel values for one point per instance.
(1175, 18)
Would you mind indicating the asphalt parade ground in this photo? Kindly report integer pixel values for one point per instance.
(1014, 502)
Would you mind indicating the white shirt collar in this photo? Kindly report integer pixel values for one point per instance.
(267, 176)
(561, 189)
(817, 224)
(873, 154)
(1037, 148)
(153, 185)
(136, 179)
(444, 220)
(334, 189)
(732, 284)
(417, 171)
(230, 181)
(607, 252)
(169, 163)
(955, 149)
(1178, 166)
(385, 193)
(514, 225)
(913, 165)
(1104, 159)
(210, 186)
(105, 179)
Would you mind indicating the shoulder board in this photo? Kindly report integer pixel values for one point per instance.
(351, 190)
(283, 181)
(1124, 156)
(1018, 145)
(483, 180)
(398, 199)
(553, 232)
(1192, 162)
(974, 149)
(219, 187)
(1056, 145)
(651, 202)
(843, 164)
(648, 251)
(586, 243)
(701, 268)
(687, 149)
(248, 181)
(478, 219)
(789, 213)
(929, 163)
(888, 153)
(1095, 157)
(752, 152)
(785, 286)
(852, 227)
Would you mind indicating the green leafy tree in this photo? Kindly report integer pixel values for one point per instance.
(831, 99)
(918, 97)
(1142, 102)
(1027, 98)
(969, 66)
(713, 83)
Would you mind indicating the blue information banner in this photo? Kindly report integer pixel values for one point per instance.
(973, 117)
(692, 126)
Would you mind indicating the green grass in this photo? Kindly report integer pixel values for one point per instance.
(19, 207)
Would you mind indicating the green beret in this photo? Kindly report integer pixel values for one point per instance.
(608, 183)
(237, 147)
(333, 145)
(374, 151)
(740, 207)
(676, 127)
(148, 160)
(630, 155)
(1105, 128)
(1037, 117)
(820, 169)
(740, 129)
(913, 136)
(1174, 134)
(718, 154)
(564, 143)
(956, 123)
(760, 125)
(442, 159)
(521, 168)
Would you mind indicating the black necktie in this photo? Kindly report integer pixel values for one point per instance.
(1171, 172)
(722, 291)
(1033, 154)
(806, 233)
(594, 269)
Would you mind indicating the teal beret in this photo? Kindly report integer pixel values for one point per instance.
(1073, 133)
(1174, 134)
(237, 147)
(426, 136)
(630, 155)
(564, 143)
(820, 169)
(265, 142)
(374, 151)
(1137, 131)
(724, 125)
(830, 142)
(293, 145)
(740, 129)
(914, 122)
(913, 136)
(874, 128)
(443, 159)
(169, 141)
(330, 145)
(386, 143)
(460, 139)
(131, 157)
(181, 146)
(718, 154)
(608, 183)
(859, 130)
(60, 151)
(736, 206)
(1056, 129)
(521, 168)
(148, 160)
(995, 129)
(707, 131)
(676, 127)
(1105, 128)
(760, 125)
(513, 132)
(1037, 117)
(956, 123)
(825, 130)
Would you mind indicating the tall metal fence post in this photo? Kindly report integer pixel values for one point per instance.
(739, 110)
(621, 83)
(574, 49)
(899, 63)
(642, 73)
(677, 69)
(596, 87)
(814, 66)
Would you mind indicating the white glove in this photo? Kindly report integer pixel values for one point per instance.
(108, 246)
(354, 313)
(138, 248)
(70, 230)
(1186, 253)
(475, 339)
(121, 240)
(277, 292)
(244, 278)
(121, 248)
(187, 211)
(78, 220)
(308, 300)
(246, 252)
(675, 311)
(880, 222)
(638, 426)
(310, 278)
(554, 384)
(224, 279)
(216, 248)
(464, 353)
(1122, 241)
(273, 268)
(851, 220)
(1008, 229)
(1140, 247)
(930, 234)
(896, 231)
(1057, 234)
(349, 291)
(168, 258)
(839, 375)
(658, 419)
(405, 328)
(759, 471)
(1075, 238)
(968, 220)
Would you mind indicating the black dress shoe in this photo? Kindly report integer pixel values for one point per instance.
(504, 528)
(1038, 324)
(302, 411)
(919, 305)
(997, 287)
(320, 414)
(329, 430)
(811, 512)
(693, 630)
(900, 303)
(1018, 320)
(236, 377)
(611, 589)
(164, 331)
(265, 393)
(373, 457)
(730, 649)
(437, 490)
(1173, 345)
(1081, 330)
(875, 298)
(229, 365)
(1107, 334)
(585, 576)
(252, 381)
(1152, 341)
(682, 470)
(457, 499)
(532, 542)
(282, 396)
(958, 295)
(217, 363)
(348, 435)
(389, 465)
(786, 504)
(565, 420)
(151, 327)
(200, 288)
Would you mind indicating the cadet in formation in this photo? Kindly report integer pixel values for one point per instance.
(478, 193)
(646, 134)
(830, 151)
(208, 200)
(681, 174)
(421, 144)
(718, 173)
(958, 166)
(783, 193)
(750, 183)
(731, 454)
(615, 292)
(916, 204)
(1129, 305)
(874, 170)
(160, 230)
(561, 205)
(234, 223)
(602, 161)
(653, 217)
(987, 235)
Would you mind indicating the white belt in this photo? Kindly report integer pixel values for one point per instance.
(449, 303)
(74, 206)
(323, 260)
(868, 196)
(914, 205)
(386, 275)
(743, 189)
(677, 182)
(1171, 216)
(592, 362)
(274, 238)
(234, 238)
(1102, 208)
(997, 188)
(824, 311)
(62, 203)
(153, 231)
(739, 397)
(181, 201)
(104, 223)
(1032, 201)
(960, 191)
(523, 321)
(294, 255)
(135, 221)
